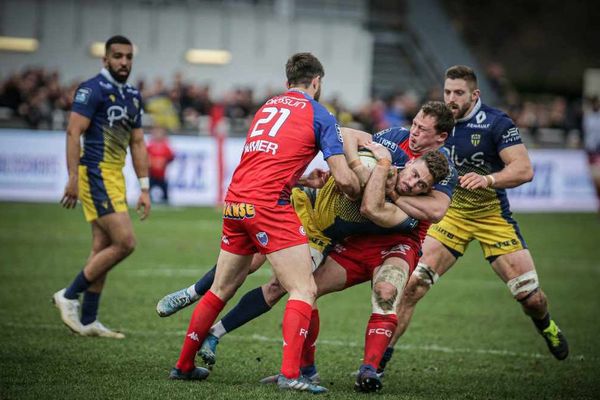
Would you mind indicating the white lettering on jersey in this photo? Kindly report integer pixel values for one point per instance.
(115, 113)
(476, 159)
(261, 145)
(288, 101)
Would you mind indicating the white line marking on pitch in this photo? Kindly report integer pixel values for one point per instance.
(326, 342)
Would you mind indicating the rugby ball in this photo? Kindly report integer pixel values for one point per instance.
(367, 159)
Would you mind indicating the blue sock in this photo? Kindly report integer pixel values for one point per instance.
(250, 306)
(80, 284)
(89, 307)
(205, 282)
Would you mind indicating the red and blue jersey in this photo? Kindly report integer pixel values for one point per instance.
(286, 134)
(114, 110)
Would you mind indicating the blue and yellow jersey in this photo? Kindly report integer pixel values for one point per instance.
(474, 146)
(339, 217)
(114, 110)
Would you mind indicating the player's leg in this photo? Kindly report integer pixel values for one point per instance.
(231, 272)
(69, 306)
(517, 270)
(439, 255)
(388, 283)
(253, 304)
(173, 302)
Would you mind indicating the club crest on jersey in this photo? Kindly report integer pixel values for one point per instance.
(238, 211)
(475, 139)
(302, 231)
(263, 239)
(83, 95)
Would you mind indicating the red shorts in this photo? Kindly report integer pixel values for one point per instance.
(360, 255)
(249, 229)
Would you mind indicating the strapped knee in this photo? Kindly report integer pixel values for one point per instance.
(397, 277)
(426, 274)
(526, 284)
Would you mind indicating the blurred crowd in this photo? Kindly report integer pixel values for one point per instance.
(37, 99)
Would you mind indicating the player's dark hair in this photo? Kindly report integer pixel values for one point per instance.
(302, 68)
(444, 120)
(117, 39)
(463, 72)
(437, 163)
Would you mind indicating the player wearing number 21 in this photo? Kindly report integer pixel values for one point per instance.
(286, 134)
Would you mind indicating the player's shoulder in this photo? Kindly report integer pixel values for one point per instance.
(491, 115)
(93, 82)
(395, 134)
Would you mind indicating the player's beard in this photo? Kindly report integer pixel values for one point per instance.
(117, 77)
(317, 95)
(460, 113)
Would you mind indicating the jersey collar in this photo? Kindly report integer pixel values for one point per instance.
(300, 91)
(104, 72)
(472, 113)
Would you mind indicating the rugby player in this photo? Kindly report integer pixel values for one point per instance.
(107, 112)
(486, 148)
(429, 131)
(285, 135)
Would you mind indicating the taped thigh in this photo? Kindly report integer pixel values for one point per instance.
(526, 284)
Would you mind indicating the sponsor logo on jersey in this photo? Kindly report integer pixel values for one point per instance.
(116, 113)
(480, 117)
(262, 238)
(388, 144)
(339, 133)
(478, 126)
(112, 98)
(475, 139)
(83, 95)
(511, 135)
(105, 85)
(238, 211)
(476, 159)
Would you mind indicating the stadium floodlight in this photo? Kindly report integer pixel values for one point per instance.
(203, 56)
(18, 44)
(97, 49)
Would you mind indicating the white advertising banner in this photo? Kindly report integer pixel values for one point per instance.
(33, 168)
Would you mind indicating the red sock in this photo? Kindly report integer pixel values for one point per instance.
(377, 337)
(296, 319)
(203, 317)
(309, 348)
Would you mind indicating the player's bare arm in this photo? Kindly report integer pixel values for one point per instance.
(353, 139)
(77, 125)
(139, 156)
(315, 179)
(346, 180)
(517, 170)
(374, 205)
(428, 207)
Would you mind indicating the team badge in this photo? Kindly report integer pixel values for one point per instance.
(302, 231)
(475, 139)
(225, 239)
(263, 239)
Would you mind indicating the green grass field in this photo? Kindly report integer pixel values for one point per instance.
(468, 339)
